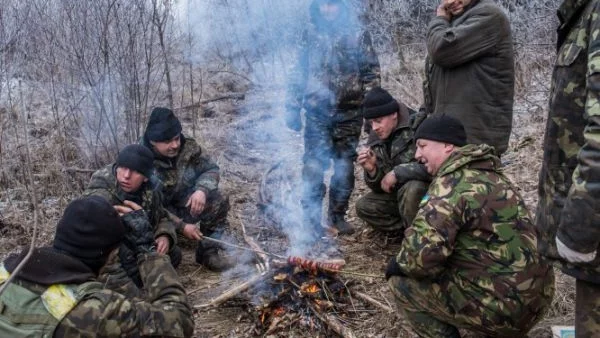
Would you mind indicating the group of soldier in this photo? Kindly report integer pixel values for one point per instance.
(470, 255)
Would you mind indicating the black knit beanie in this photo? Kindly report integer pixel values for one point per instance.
(442, 128)
(136, 157)
(89, 230)
(163, 125)
(378, 102)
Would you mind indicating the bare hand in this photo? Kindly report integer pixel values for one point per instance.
(442, 11)
(191, 231)
(127, 207)
(367, 159)
(196, 203)
(162, 244)
(389, 182)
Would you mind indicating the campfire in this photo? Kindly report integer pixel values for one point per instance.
(302, 292)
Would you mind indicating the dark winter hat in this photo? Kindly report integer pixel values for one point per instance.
(136, 157)
(442, 128)
(89, 230)
(378, 102)
(163, 125)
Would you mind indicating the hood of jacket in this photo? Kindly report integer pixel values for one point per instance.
(480, 157)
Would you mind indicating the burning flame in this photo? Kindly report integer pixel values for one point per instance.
(311, 288)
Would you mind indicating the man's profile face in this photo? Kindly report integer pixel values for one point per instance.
(456, 7)
(169, 148)
(329, 10)
(383, 126)
(432, 154)
(130, 180)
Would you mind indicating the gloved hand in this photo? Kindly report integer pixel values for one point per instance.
(393, 269)
(293, 119)
(139, 231)
(573, 256)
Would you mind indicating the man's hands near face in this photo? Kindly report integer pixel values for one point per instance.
(443, 11)
(127, 207)
(367, 159)
(196, 203)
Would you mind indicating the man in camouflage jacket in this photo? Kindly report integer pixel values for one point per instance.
(469, 260)
(469, 70)
(130, 179)
(389, 206)
(568, 215)
(335, 67)
(62, 290)
(190, 181)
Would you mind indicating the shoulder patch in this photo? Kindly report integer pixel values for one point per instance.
(59, 299)
(424, 200)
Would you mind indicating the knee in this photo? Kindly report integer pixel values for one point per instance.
(175, 256)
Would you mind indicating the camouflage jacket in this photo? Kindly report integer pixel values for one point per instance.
(569, 186)
(470, 72)
(473, 234)
(336, 64)
(104, 183)
(103, 312)
(396, 153)
(181, 176)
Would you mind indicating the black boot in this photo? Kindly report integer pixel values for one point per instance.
(337, 221)
(208, 255)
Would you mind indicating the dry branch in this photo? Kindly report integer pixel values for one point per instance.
(258, 250)
(333, 323)
(230, 96)
(371, 301)
(236, 290)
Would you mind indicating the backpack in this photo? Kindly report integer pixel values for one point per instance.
(26, 313)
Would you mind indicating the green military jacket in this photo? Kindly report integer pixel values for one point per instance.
(73, 303)
(181, 176)
(470, 72)
(569, 186)
(336, 63)
(104, 183)
(473, 236)
(394, 152)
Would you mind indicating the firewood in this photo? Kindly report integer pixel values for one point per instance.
(371, 301)
(236, 290)
(332, 322)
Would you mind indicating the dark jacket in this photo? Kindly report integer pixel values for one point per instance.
(470, 72)
(569, 185)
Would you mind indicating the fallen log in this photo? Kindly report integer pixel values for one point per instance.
(236, 290)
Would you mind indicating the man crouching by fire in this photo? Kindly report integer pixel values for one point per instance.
(469, 259)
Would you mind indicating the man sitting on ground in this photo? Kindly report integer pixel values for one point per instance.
(190, 182)
(469, 260)
(58, 292)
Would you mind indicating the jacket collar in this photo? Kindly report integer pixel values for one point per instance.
(481, 157)
(568, 10)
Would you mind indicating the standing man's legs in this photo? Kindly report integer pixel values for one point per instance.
(316, 159)
(345, 135)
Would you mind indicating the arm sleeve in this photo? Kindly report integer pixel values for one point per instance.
(166, 311)
(208, 175)
(452, 46)
(579, 228)
(411, 171)
(166, 226)
(100, 185)
(430, 240)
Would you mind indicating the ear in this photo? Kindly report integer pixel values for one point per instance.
(449, 148)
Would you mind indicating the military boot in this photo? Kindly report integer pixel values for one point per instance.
(337, 221)
(208, 255)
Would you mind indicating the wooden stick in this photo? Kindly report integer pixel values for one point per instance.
(332, 322)
(236, 290)
(372, 301)
(258, 250)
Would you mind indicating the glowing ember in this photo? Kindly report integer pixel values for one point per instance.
(310, 288)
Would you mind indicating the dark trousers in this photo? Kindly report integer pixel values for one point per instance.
(587, 309)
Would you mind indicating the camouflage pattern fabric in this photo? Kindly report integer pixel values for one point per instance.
(395, 211)
(109, 314)
(470, 256)
(587, 317)
(104, 183)
(324, 140)
(569, 185)
(392, 212)
(469, 72)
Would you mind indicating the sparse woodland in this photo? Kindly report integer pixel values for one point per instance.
(79, 78)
